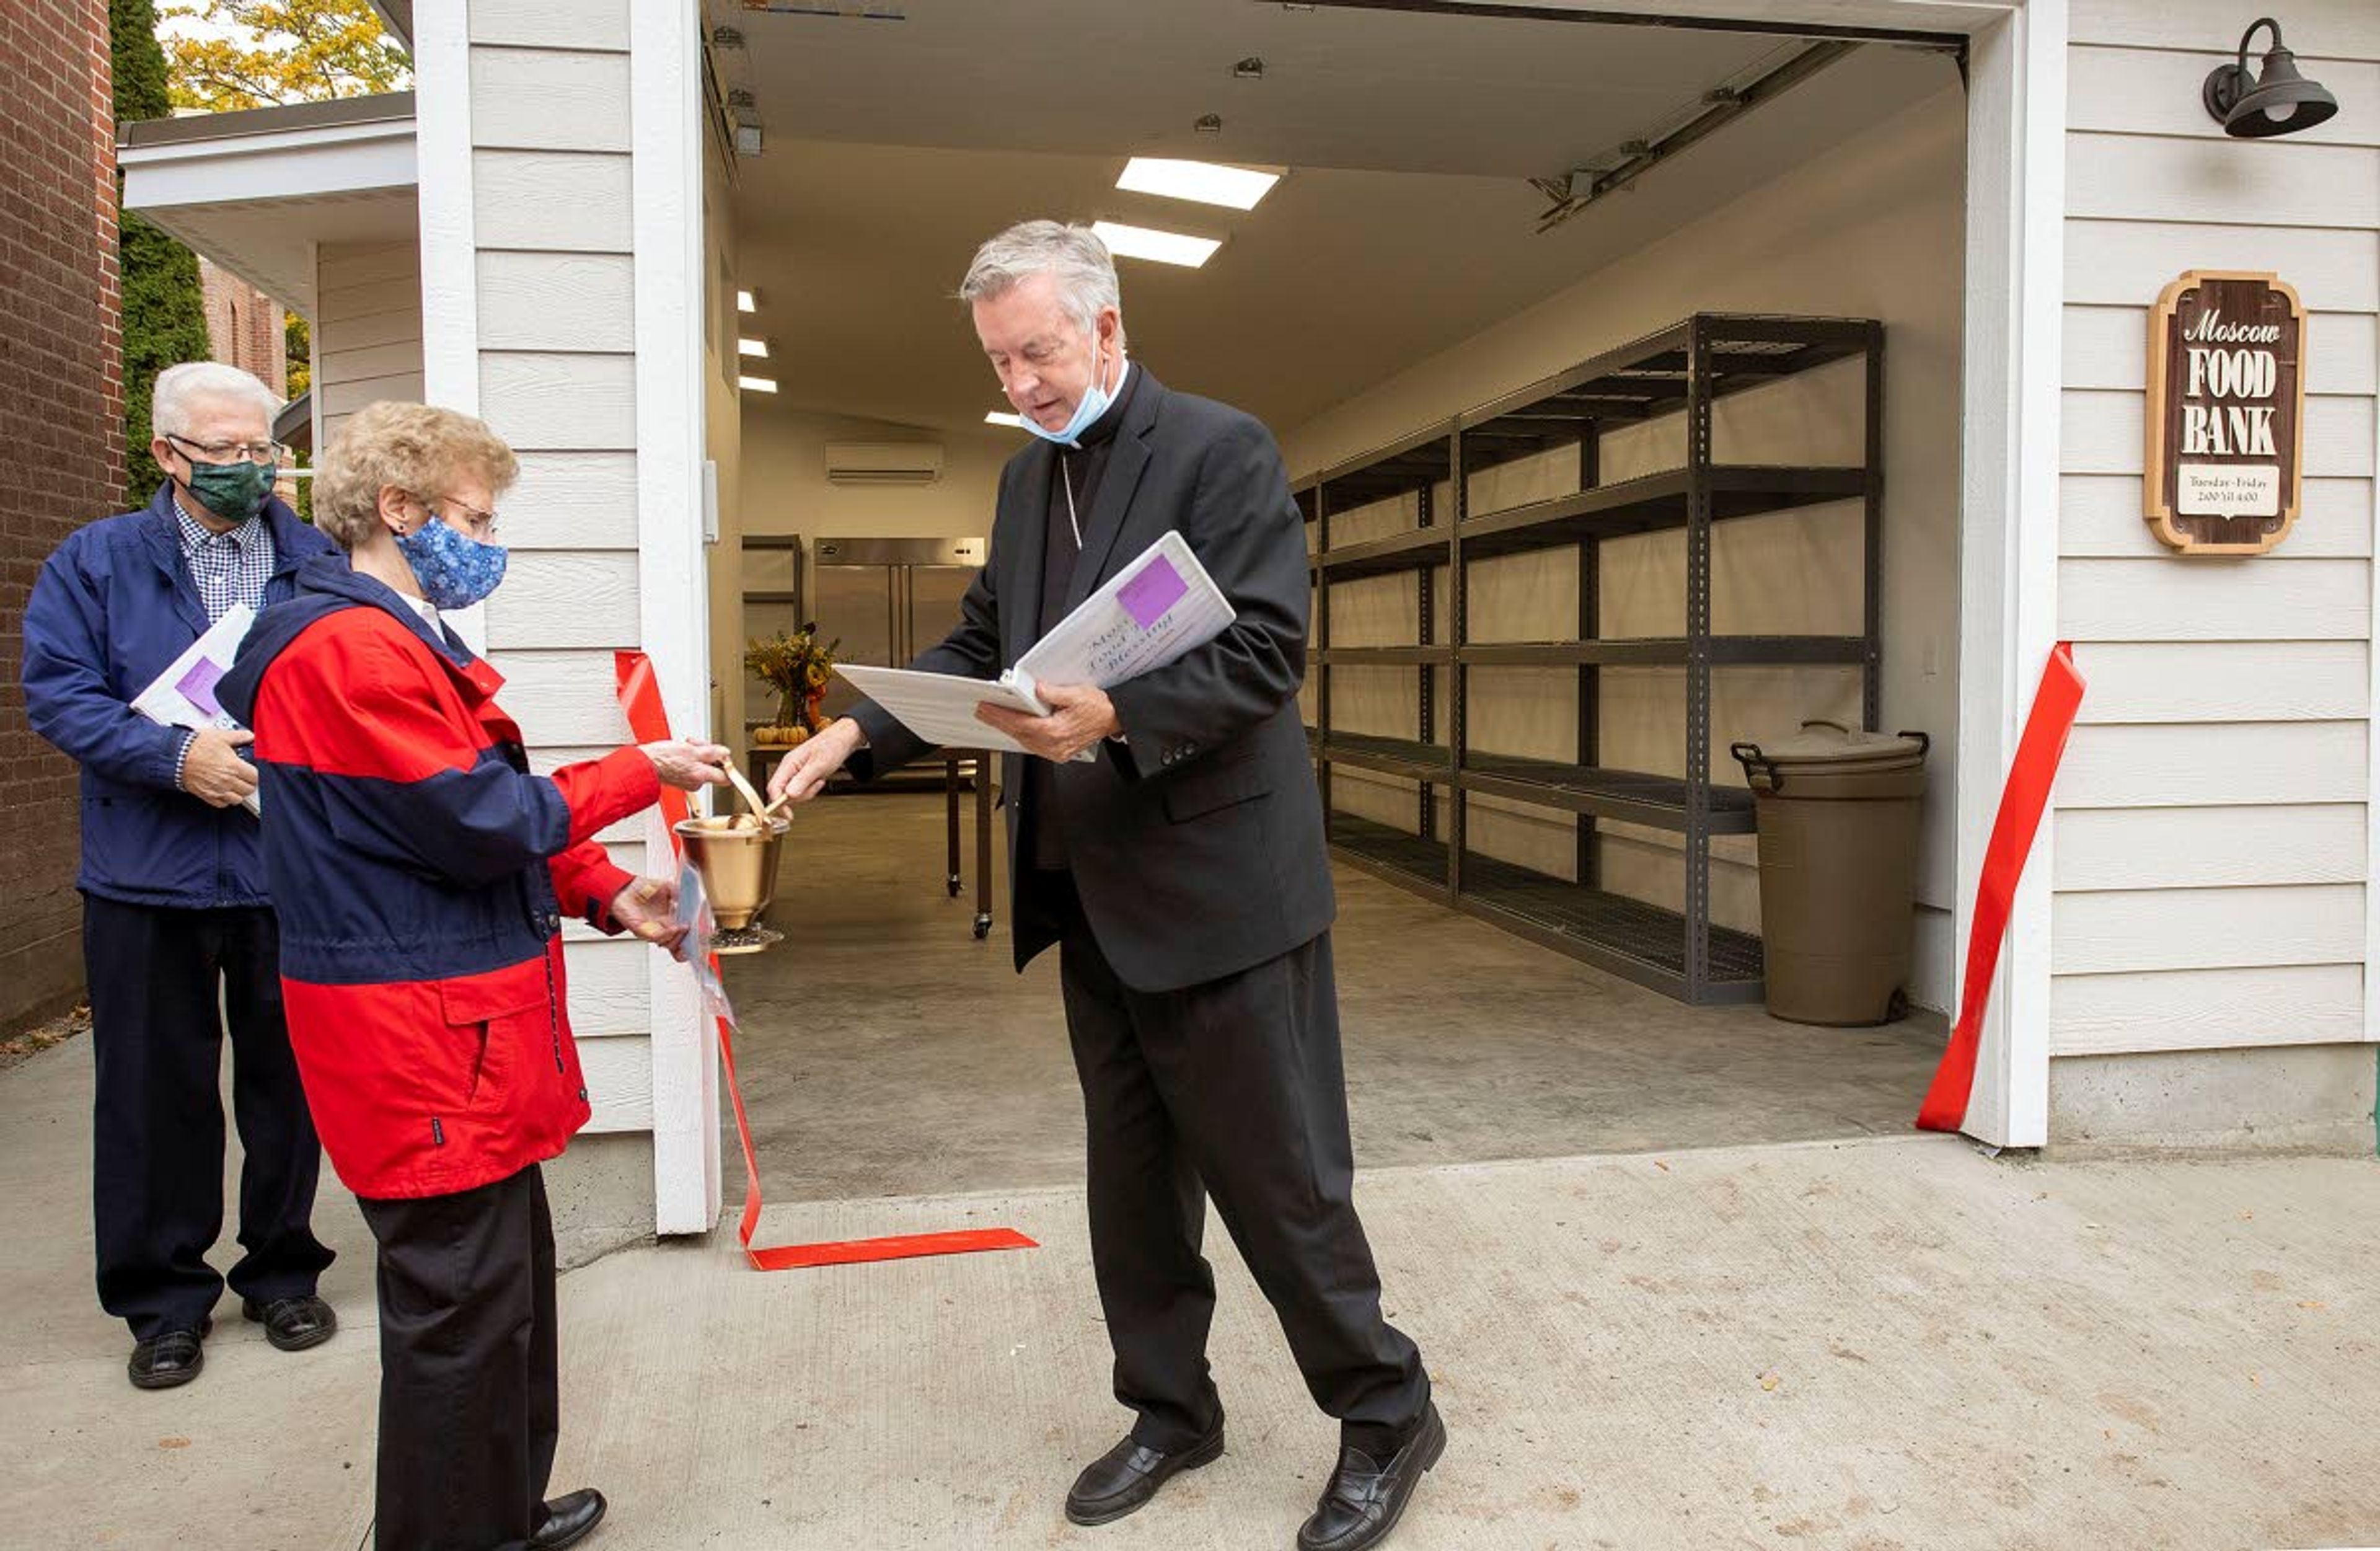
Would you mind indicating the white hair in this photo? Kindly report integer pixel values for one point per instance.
(1074, 256)
(181, 389)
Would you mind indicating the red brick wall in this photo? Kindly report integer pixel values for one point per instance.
(61, 417)
(244, 326)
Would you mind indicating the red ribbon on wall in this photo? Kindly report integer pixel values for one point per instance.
(2023, 801)
(641, 699)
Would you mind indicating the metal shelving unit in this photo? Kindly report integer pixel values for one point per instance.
(1684, 369)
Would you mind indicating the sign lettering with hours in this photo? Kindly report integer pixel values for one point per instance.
(2225, 412)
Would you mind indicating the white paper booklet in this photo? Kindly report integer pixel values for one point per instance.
(1151, 611)
(184, 695)
(940, 707)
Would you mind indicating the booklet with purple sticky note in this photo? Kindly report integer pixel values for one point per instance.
(184, 695)
(1147, 615)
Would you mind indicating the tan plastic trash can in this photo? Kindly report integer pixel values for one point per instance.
(1838, 813)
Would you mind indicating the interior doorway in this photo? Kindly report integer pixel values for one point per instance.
(1467, 206)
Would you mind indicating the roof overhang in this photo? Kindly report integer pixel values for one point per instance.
(294, 426)
(257, 191)
(395, 19)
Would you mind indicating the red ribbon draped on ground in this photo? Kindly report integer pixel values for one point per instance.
(2023, 801)
(640, 698)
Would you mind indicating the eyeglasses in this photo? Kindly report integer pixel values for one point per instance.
(481, 524)
(223, 452)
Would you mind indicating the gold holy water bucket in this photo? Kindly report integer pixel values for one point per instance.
(739, 864)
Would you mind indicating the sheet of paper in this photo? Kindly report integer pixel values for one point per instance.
(940, 707)
(1147, 615)
(184, 695)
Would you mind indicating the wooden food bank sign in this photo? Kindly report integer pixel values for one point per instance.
(2225, 412)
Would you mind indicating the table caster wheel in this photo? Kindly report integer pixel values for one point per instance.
(953, 885)
(982, 927)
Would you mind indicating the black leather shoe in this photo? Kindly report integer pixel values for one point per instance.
(167, 1359)
(1126, 1476)
(293, 1324)
(1364, 1499)
(568, 1520)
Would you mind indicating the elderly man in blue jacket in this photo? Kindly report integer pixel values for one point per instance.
(177, 924)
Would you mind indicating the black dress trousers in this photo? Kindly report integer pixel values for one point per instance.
(158, 979)
(1230, 1090)
(469, 1405)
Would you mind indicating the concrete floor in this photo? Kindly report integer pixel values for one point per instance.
(885, 1052)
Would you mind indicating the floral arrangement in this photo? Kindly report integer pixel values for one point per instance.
(797, 667)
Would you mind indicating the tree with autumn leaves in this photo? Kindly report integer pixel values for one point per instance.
(255, 54)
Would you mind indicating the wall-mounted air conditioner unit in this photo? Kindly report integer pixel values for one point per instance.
(883, 463)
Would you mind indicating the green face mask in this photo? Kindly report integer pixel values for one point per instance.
(234, 491)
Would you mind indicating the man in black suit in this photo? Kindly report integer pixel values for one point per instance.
(1183, 877)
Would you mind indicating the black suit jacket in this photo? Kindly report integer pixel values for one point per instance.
(1197, 843)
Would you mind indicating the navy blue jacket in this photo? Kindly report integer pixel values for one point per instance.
(110, 611)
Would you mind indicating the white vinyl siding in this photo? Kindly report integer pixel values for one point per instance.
(553, 281)
(2212, 834)
(366, 329)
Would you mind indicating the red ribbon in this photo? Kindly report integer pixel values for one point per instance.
(2023, 801)
(640, 698)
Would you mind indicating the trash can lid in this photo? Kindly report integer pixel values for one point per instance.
(1830, 743)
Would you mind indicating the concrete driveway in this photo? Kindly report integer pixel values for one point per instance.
(1875, 1344)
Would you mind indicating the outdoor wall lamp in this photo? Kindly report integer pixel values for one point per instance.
(2276, 102)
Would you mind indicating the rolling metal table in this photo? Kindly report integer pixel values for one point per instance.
(761, 761)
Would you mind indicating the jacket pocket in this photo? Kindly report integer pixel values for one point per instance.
(131, 840)
(487, 1015)
(1203, 789)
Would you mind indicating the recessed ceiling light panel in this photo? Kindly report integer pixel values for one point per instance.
(1148, 242)
(756, 349)
(1206, 182)
(757, 384)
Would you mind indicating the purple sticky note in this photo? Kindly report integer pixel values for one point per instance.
(1157, 588)
(198, 685)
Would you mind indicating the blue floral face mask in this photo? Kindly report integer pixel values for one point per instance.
(453, 569)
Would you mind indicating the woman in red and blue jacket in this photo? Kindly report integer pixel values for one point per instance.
(422, 873)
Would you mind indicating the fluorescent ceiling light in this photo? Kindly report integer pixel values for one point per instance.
(757, 347)
(997, 418)
(757, 384)
(1147, 242)
(746, 303)
(1206, 182)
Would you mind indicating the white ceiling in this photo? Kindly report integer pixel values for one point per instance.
(1387, 91)
(891, 147)
(270, 243)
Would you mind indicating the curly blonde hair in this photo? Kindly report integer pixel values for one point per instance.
(418, 448)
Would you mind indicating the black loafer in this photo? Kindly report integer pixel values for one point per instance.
(1364, 1498)
(568, 1520)
(167, 1359)
(293, 1324)
(1126, 1476)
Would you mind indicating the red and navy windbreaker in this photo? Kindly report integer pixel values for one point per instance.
(421, 872)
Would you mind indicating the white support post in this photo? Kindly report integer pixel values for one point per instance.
(450, 257)
(2008, 552)
(664, 86)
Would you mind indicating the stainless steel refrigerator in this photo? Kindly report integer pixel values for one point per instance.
(888, 599)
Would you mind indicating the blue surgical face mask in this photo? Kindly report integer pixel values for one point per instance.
(1094, 403)
(453, 569)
